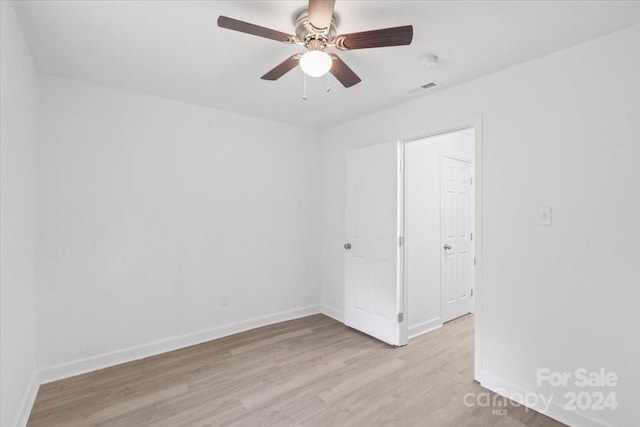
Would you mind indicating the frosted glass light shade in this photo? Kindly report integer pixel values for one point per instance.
(315, 63)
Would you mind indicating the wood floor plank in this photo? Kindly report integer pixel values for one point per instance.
(306, 372)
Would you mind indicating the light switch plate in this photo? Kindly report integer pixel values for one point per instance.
(544, 215)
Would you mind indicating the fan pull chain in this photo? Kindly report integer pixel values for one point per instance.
(304, 87)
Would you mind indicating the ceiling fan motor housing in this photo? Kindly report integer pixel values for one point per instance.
(308, 34)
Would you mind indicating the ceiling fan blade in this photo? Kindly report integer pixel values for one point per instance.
(343, 73)
(256, 30)
(283, 68)
(396, 36)
(320, 13)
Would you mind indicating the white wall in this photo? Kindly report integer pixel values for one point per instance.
(150, 209)
(561, 131)
(422, 223)
(18, 104)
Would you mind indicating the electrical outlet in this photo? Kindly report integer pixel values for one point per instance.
(225, 299)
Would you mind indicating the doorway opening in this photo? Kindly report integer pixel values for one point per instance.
(439, 229)
(384, 271)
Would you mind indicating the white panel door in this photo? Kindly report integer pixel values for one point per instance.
(456, 280)
(373, 294)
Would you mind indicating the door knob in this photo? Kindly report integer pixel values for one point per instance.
(347, 245)
(447, 247)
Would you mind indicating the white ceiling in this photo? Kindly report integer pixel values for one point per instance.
(174, 49)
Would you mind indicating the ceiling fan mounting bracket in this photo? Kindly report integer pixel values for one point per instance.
(293, 40)
(338, 42)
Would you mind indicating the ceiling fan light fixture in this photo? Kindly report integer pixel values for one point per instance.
(316, 63)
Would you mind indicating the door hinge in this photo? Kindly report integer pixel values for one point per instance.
(471, 236)
(401, 165)
(474, 261)
(400, 240)
(471, 292)
(471, 181)
(400, 317)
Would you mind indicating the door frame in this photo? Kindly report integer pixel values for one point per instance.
(436, 129)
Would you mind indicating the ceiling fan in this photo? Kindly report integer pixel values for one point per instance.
(315, 29)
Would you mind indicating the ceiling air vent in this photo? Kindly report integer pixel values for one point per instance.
(424, 87)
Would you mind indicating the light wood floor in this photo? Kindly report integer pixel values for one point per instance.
(306, 372)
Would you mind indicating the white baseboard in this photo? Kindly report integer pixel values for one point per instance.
(332, 312)
(424, 327)
(555, 411)
(27, 402)
(101, 361)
